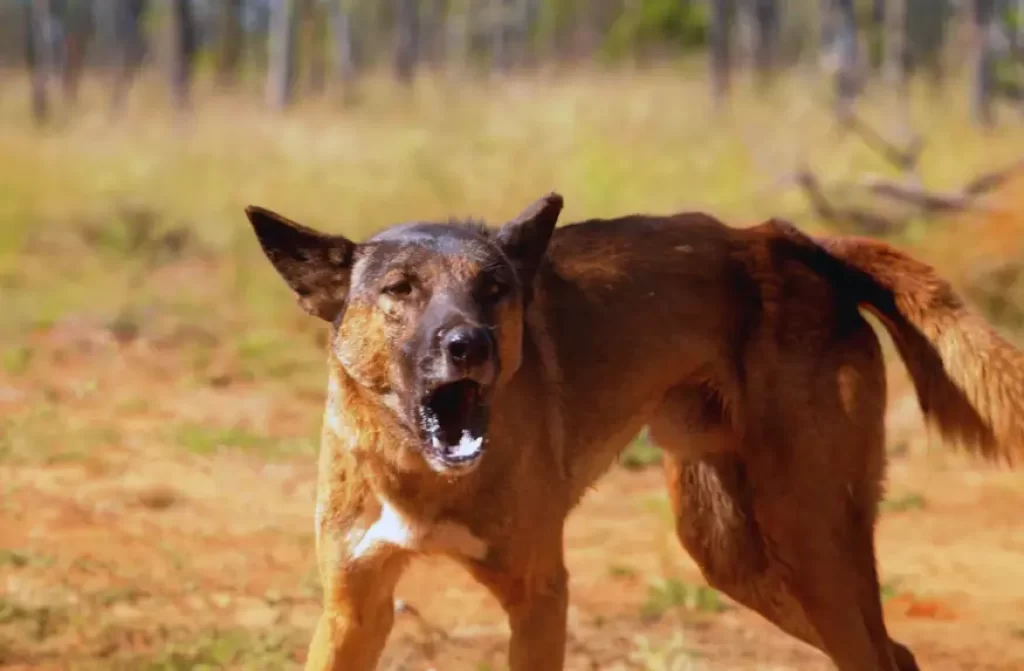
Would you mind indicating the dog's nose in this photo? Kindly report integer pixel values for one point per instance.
(467, 346)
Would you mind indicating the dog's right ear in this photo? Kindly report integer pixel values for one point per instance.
(525, 239)
(316, 266)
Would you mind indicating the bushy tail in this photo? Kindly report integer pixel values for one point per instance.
(969, 380)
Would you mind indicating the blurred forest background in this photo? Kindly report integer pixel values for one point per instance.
(161, 393)
(305, 47)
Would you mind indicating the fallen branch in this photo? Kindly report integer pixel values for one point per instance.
(992, 180)
(911, 194)
(904, 159)
(845, 218)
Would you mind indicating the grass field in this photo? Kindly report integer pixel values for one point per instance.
(160, 393)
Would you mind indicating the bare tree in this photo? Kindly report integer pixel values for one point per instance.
(77, 33)
(984, 84)
(340, 14)
(766, 32)
(125, 33)
(407, 42)
(281, 65)
(895, 63)
(183, 46)
(720, 29)
(313, 44)
(37, 13)
(509, 21)
(230, 42)
(846, 81)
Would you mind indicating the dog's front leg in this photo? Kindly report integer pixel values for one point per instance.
(536, 601)
(538, 626)
(358, 610)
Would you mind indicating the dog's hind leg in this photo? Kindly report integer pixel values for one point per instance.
(718, 503)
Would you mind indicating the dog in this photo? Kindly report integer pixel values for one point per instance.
(482, 379)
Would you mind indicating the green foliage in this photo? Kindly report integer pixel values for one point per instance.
(673, 593)
(231, 649)
(35, 622)
(640, 454)
(203, 439)
(903, 503)
(889, 589)
(622, 571)
(682, 25)
(16, 360)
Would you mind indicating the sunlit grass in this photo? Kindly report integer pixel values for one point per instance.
(134, 225)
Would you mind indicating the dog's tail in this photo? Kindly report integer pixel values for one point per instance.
(969, 380)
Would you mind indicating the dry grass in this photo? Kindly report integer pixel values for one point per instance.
(159, 393)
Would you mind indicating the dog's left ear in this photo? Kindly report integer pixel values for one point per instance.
(525, 239)
(316, 266)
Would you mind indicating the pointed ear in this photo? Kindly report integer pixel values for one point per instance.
(525, 239)
(316, 266)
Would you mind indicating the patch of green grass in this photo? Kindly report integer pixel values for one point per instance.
(42, 435)
(35, 622)
(671, 655)
(14, 558)
(108, 596)
(621, 571)
(658, 504)
(203, 439)
(903, 503)
(640, 454)
(88, 564)
(16, 360)
(218, 649)
(266, 355)
(672, 593)
(890, 588)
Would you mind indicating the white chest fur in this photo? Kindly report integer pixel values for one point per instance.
(392, 529)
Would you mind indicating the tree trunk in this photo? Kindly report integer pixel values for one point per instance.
(407, 43)
(344, 50)
(37, 12)
(230, 42)
(316, 45)
(281, 52)
(129, 46)
(766, 31)
(76, 38)
(504, 33)
(183, 47)
(984, 61)
(846, 81)
(720, 29)
(926, 25)
(895, 60)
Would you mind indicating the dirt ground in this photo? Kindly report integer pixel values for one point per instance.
(138, 554)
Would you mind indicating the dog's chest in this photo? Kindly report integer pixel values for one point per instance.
(394, 530)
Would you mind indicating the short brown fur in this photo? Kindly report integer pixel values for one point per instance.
(744, 351)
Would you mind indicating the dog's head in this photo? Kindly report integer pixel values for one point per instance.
(426, 318)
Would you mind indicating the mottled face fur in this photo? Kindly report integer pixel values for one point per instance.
(426, 318)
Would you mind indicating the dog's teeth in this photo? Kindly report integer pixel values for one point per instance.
(436, 443)
(468, 445)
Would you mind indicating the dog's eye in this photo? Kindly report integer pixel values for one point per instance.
(494, 290)
(399, 288)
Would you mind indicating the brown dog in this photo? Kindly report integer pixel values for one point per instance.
(481, 380)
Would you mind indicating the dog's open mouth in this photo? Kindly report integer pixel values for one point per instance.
(454, 418)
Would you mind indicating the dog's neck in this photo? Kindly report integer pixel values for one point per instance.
(367, 459)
